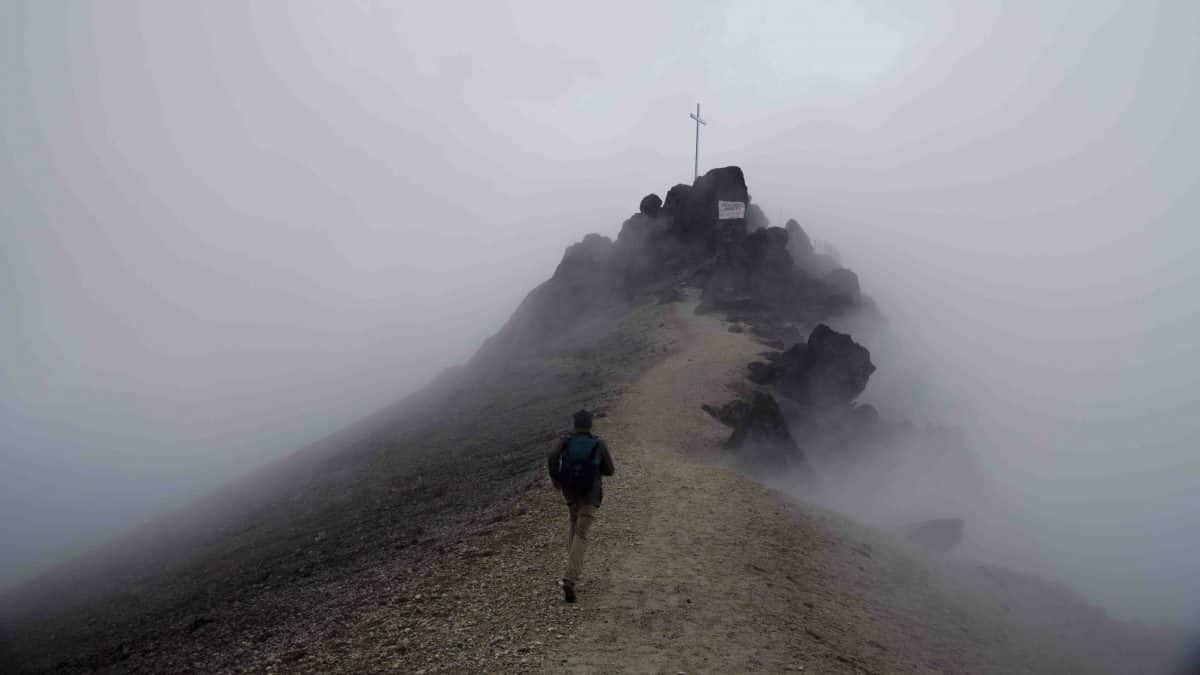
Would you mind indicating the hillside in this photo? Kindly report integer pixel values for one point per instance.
(426, 537)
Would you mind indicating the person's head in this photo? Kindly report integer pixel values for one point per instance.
(583, 421)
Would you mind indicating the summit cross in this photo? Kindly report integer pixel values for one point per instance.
(696, 116)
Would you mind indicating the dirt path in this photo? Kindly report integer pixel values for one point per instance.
(697, 568)
(692, 567)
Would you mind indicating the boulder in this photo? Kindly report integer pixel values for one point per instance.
(844, 283)
(750, 273)
(761, 438)
(731, 414)
(677, 198)
(799, 245)
(650, 205)
(829, 370)
(699, 217)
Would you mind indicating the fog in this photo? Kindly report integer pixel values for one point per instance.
(228, 230)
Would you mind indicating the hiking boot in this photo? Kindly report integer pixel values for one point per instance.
(568, 590)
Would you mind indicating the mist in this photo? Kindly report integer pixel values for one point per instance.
(228, 231)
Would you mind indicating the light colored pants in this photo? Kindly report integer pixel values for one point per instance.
(581, 521)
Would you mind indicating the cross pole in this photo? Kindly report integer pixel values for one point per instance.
(696, 116)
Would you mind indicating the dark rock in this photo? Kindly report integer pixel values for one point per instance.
(677, 198)
(752, 273)
(570, 311)
(637, 260)
(736, 328)
(650, 205)
(726, 184)
(762, 373)
(585, 259)
(843, 282)
(761, 438)
(941, 534)
(731, 414)
(756, 219)
(831, 369)
(799, 245)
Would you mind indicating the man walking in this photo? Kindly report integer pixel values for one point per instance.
(576, 465)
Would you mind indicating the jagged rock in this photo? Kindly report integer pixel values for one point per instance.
(799, 245)
(731, 414)
(755, 218)
(830, 369)
(650, 205)
(677, 198)
(941, 534)
(565, 312)
(843, 282)
(695, 209)
(752, 273)
(761, 438)
(642, 252)
(587, 258)
(679, 239)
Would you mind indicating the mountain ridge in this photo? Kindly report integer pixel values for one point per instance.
(345, 528)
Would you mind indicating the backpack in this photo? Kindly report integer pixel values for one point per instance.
(579, 465)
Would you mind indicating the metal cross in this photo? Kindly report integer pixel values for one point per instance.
(696, 116)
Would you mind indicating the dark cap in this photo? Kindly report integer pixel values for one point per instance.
(583, 420)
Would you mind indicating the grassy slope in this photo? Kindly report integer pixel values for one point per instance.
(399, 484)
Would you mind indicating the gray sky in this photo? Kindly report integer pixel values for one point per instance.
(230, 228)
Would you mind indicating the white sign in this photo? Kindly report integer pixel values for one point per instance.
(729, 210)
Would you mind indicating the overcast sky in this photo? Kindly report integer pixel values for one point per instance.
(228, 228)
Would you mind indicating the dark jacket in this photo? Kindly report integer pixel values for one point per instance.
(606, 467)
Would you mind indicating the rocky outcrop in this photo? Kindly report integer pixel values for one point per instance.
(731, 414)
(585, 261)
(563, 313)
(843, 283)
(708, 235)
(650, 205)
(700, 212)
(753, 273)
(677, 199)
(799, 245)
(829, 370)
(761, 439)
(755, 218)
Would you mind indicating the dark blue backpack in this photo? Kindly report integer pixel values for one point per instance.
(579, 465)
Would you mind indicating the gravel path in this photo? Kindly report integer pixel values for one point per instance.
(693, 567)
(697, 568)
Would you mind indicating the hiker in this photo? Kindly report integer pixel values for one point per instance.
(576, 465)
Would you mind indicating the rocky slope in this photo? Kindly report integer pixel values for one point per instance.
(425, 538)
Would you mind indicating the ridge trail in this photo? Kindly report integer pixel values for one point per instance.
(694, 567)
(691, 567)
